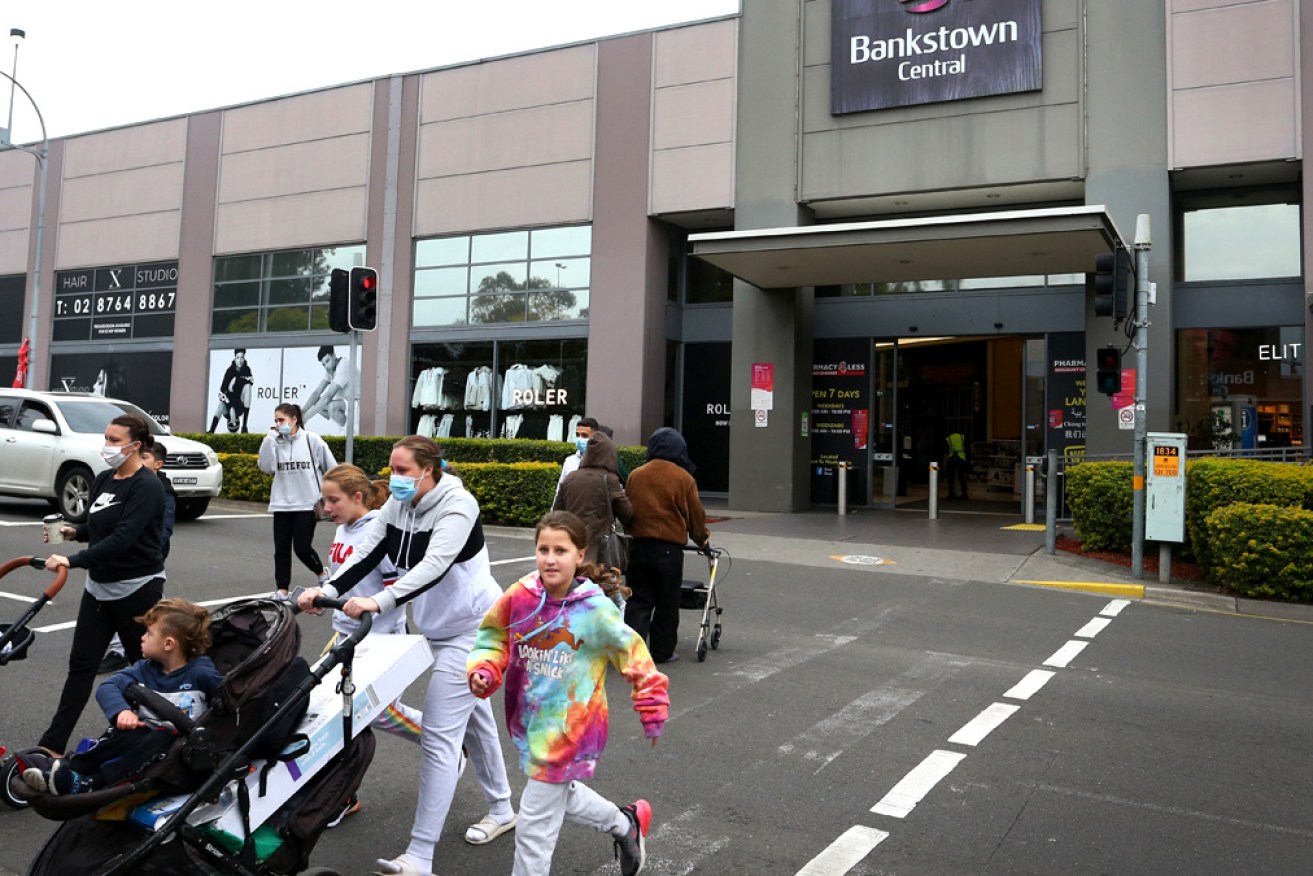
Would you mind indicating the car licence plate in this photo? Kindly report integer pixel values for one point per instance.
(184, 480)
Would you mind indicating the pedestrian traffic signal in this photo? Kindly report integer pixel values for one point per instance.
(362, 300)
(1114, 284)
(338, 284)
(1109, 377)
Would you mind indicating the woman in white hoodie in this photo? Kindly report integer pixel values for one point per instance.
(431, 532)
(297, 459)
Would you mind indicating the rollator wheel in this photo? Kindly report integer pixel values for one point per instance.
(715, 638)
(702, 649)
(9, 770)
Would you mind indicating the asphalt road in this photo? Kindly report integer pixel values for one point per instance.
(856, 719)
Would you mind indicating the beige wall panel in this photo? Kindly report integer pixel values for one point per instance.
(1251, 122)
(543, 135)
(17, 168)
(1192, 5)
(134, 192)
(696, 178)
(949, 153)
(118, 241)
(696, 54)
(693, 115)
(296, 221)
(13, 251)
(15, 208)
(1233, 44)
(138, 146)
(553, 194)
(320, 165)
(562, 76)
(299, 119)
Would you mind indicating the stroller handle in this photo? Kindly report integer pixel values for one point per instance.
(366, 619)
(61, 574)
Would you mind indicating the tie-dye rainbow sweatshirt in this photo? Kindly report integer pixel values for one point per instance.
(552, 656)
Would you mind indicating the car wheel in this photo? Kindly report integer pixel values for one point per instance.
(73, 493)
(190, 509)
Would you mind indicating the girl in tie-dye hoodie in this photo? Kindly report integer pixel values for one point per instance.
(549, 639)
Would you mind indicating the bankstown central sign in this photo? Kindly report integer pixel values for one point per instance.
(887, 53)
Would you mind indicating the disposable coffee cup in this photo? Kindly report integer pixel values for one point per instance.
(54, 524)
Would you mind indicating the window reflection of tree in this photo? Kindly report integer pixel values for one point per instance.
(500, 298)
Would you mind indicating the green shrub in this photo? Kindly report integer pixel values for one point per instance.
(242, 479)
(1213, 483)
(1261, 551)
(1101, 501)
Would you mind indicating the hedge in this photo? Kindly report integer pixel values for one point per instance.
(1261, 551)
(1213, 483)
(1101, 498)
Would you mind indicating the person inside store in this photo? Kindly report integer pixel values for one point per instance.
(297, 458)
(667, 514)
(124, 563)
(582, 432)
(956, 465)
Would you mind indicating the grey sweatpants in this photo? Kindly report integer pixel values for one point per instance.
(543, 807)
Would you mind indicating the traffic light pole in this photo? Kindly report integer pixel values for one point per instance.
(353, 389)
(1143, 243)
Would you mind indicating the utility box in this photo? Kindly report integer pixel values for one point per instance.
(1164, 507)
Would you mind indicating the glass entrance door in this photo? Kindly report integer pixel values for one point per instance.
(884, 426)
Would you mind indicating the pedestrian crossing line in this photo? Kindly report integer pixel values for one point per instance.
(826, 740)
(844, 853)
(1065, 654)
(975, 730)
(904, 796)
(1114, 608)
(677, 846)
(1030, 685)
(1094, 627)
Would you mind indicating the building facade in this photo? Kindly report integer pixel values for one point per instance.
(818, 232)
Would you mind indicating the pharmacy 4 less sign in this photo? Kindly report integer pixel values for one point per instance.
(887, 53)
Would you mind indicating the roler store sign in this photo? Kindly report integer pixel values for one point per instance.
(889, 53)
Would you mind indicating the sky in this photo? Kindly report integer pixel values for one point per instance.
(93, 65)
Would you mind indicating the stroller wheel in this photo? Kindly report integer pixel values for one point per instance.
(8, 771)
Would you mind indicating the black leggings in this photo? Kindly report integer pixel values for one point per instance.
(656, 569)
(96, 624)
(294, 530)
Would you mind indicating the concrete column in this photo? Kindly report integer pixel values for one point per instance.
(1306, 137)
(393, 238)
(39, 366)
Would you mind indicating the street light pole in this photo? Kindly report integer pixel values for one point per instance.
(559, 266)
(42, 154)
(17, 34)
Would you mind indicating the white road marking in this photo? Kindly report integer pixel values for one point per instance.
(676, 847)
(1093, 628)
(1030, 685)
(904, 796)
(516, 560)
(1178, 810)
(20, 522)
(251, 516)
(1114, 608)
(844, 853)
(1065, 654)
(823, 742)
(54, 628)
(31, 597)
(983, 724)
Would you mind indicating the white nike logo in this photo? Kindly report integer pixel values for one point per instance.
(103, 501)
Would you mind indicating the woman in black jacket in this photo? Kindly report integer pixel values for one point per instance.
(124, 563)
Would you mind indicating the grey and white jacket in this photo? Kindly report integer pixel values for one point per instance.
(298, 463)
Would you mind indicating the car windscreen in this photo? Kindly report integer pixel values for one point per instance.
(93, 416)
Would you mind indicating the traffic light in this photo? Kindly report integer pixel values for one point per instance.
(1109, 378)
(362, 300)
(337, 300)
(1114, 284)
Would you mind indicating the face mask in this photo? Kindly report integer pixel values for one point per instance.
(580, 444)
(113, 456)
(285, 430)
(402, 487)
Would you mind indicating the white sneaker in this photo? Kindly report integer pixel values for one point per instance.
(279, 596)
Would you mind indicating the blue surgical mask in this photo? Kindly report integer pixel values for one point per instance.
(402, 487)
(580, 444)
(285, 430)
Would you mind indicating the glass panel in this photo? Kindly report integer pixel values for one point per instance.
(439, 311)
(237, 295)
(456, 389)
(91, 417)
(228, 322)
(344, 257)
(1066, 279)
(1240, 388)
(441, 281)
(321, 289)
(296, 263)
(497, 308)
(1241, 243)
(708, 284)
(562, 273)
(319, 317)
(1001, 282)
(553, 242)
(497, 278)
(287, 319)
(443, 251)
(289, 291)
(884, 467)
(1034, 389)
(237, 268)
(500, 247)
(542, 387)
(557, 304)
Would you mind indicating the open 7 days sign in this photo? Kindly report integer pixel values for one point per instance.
(887, 53)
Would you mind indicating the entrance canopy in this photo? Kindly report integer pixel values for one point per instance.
(1015, 243)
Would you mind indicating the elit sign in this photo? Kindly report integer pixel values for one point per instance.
(887, 53)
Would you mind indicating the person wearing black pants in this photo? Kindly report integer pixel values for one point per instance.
(294, 531)
(667, 511)
(124, 563)
(297, 458)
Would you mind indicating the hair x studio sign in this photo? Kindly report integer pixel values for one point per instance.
(887, 53)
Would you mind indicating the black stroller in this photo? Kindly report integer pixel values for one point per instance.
(256, 643)
(15, 640)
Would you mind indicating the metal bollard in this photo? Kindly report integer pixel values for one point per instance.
(1051, 506)
(1028, 497)
(843, 489)
(934, 491)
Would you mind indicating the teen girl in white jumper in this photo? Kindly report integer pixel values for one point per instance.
(297, 459)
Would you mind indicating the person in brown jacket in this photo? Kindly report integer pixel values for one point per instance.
(667, 513)
(593, 492)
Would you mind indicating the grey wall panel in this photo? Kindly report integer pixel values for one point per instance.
(1256, 305)
(1020, 313)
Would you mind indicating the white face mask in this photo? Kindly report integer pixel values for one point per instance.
(113, 455)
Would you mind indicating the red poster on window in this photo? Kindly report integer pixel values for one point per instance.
(763, 386)
(860, 428)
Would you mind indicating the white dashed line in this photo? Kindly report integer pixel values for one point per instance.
(1093, 628)
(1065, 654)
(916, 784)
(983, 724)
(1030, 685)
(1114, 608)
(844, 853)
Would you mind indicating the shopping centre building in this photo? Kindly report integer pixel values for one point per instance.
(817, 232)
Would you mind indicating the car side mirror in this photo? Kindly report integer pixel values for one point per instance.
(45, 426)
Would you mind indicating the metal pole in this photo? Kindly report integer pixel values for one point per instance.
(1143, 243)
(352, 388)
(934, 491)
(1051, 506)
(1164, 562)
(843, 489)
(42, 156)
(1028, 495)
(9, 126)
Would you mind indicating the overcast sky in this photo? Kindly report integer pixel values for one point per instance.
(92, 65)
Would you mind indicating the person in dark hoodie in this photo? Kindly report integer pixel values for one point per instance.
(430, 530)
(593, 492)
(667, 513)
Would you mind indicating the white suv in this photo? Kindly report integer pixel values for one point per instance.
(50, 448)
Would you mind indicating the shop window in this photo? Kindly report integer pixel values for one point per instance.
(906, 287)
(12, 312)
(540, 275)
(277, 292)
(1241, 388)
(1225, 240)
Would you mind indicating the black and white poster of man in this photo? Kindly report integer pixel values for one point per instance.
(141, 378)
(246, 384)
